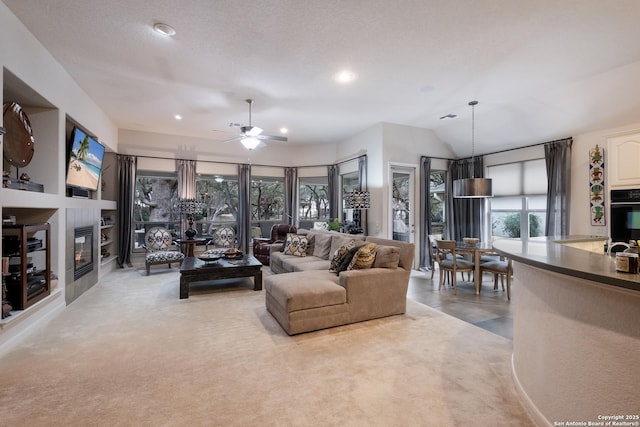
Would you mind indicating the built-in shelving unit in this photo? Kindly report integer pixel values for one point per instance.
(51, 211)
(27, 248)
(108, 236)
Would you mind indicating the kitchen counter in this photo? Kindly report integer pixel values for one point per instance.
(577, 256)
(576, 330)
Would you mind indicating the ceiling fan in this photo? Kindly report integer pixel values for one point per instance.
(251, 136)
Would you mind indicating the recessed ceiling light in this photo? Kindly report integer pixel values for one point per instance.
(177, 117)
(284, 130)
(345, 76)
(164, 29)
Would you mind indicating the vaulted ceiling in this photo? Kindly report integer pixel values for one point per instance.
(541, 70)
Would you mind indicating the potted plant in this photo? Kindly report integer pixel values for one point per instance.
(334, 225)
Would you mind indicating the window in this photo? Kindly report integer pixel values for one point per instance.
(313, 198)
(350, 183)
(438, 197)
(518, 207)
(267, 199)
(219, 196)
(156, 195)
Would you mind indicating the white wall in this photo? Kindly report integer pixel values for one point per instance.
(384, 144)
(182, 147)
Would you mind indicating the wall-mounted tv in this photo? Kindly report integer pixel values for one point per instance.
(84, 161)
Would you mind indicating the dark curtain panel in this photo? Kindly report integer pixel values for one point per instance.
(244, 207)
(557, 155)
(465, 217)
(362, 182)
(127, 184)
(186, 178)
(290, 184)
(333, 187)
(425, 213)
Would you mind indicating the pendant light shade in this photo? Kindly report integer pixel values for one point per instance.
(472, 188)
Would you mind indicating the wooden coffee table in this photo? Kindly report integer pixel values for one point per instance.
(195, 270)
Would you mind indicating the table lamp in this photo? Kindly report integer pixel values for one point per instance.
(189, 207)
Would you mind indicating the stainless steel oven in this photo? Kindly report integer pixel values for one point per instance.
(625, 215)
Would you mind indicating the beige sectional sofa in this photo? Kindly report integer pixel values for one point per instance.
(303, 295)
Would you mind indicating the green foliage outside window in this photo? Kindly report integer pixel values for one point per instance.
(267, 199)
(511, 225)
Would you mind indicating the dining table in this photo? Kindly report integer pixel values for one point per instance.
(475, 252)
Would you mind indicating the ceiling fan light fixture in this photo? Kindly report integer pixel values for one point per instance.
(250, 142)
(472, 188)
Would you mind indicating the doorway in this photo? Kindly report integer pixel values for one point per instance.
(402, 203)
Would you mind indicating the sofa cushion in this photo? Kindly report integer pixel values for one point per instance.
(339, 239)
(364, 258)
(386, 257)
(314, 263)
(322, 245)
(305, 290)
(295, 245)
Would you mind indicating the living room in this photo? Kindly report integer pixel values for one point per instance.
(55, 100)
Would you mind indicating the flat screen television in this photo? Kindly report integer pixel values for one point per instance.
(84, 164)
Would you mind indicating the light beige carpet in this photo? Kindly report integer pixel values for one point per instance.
(129, 352)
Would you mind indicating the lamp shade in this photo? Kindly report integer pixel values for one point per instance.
(472, 188)
(189, 206)
(357, 200)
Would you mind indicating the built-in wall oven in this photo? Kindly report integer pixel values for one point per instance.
(625, 215)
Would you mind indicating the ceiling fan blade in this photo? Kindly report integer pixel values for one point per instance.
(237, 138)
(273, 138)
(253, 131)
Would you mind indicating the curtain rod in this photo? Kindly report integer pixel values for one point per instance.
(236, 163)
(438, 158)
(523, 147)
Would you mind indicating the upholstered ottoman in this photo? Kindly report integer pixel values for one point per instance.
(306, 301)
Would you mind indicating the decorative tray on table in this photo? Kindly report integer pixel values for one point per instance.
(210, 256)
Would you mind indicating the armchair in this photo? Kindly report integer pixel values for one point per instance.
(223, 238)
(157, 241)
(262, 246)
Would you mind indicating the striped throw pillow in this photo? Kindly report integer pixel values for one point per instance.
(364, 258)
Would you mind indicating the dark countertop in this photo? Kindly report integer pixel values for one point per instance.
(560, 255)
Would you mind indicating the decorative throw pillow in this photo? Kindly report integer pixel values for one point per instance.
(339, 255)
(387, 257)
(364, 258)
(344, 264)
(295, 244)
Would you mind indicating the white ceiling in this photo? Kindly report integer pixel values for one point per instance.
(540, 69)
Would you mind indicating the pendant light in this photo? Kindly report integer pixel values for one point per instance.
(472, 188)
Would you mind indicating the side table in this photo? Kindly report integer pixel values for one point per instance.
(189, 245)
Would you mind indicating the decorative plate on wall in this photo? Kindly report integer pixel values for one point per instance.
(18, 144)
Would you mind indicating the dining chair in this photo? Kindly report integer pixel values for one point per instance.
(449, 261)
(501, 267)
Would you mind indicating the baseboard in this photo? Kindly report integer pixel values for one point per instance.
(538, 417)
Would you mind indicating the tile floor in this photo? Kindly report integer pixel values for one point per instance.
(490, 310)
